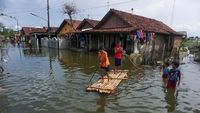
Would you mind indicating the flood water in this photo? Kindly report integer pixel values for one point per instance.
(52, 81)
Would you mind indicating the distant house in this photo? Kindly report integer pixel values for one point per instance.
(65, 27)
(65, 31)
(35, 34)
(25, 33)
(41, 34)
(80, 40)
(142, 35)
(87, 24)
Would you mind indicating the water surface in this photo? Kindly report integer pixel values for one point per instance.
(52, 81)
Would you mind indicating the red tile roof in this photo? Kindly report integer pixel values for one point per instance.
(137, 22)
(28, 30)
(91, 22)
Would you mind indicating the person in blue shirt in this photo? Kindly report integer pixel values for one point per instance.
(174, 76)
(165, 74)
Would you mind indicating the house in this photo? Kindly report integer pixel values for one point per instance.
(80, 40)
(39, 36)
(65, 31)
(150, 38)
(25, 33)
(35, 34)
(87, 24)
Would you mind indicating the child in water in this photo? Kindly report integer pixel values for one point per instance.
(174, 76)
(165, 74)
(165, 70)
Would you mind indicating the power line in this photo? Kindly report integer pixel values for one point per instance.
(102, 6)
(38, 16)
(54, 7)
(23, 12)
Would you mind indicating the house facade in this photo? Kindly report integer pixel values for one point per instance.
(80, 39)
(35, 35)
(64, 32)
(148, 38)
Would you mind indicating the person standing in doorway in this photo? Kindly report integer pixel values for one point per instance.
(118, 55)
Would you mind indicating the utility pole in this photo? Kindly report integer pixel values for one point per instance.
(88, 16)
(108, 5)
(48, 19)
(18, 26)
(131, 10)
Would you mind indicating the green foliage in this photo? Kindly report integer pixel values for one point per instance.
(190, 43)
(7, 32)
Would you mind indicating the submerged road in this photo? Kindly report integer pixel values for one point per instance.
(51, 81)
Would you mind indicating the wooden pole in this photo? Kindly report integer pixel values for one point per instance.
(163, 53)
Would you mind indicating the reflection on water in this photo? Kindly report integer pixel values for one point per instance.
(102, 102)
(171, 99)
(51, 81)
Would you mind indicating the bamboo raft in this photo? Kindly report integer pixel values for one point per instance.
(108, 85)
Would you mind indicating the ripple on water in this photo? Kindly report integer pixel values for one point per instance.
(59, 87)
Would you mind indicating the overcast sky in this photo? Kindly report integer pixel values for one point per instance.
(184, 17)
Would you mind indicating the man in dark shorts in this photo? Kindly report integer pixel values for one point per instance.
(118, 55)
(104, 62)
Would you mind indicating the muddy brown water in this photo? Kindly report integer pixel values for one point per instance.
(52, 81)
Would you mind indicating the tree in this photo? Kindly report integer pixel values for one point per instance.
(1, 14)
(70, 9)
(1, 25)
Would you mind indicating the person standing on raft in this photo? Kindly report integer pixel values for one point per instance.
(118, 55)
(104, 62)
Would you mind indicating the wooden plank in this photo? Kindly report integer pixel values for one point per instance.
(109, 85)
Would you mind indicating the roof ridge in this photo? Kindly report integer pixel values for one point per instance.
(133, 19)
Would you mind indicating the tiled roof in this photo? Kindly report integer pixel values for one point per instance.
(138, 22)
(91, 22)
(29, 30)
(119, 30)
(75, 24)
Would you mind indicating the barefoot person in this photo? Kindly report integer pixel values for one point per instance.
(174, 76)
(165, 73)
(118, 55)
(104, 62)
